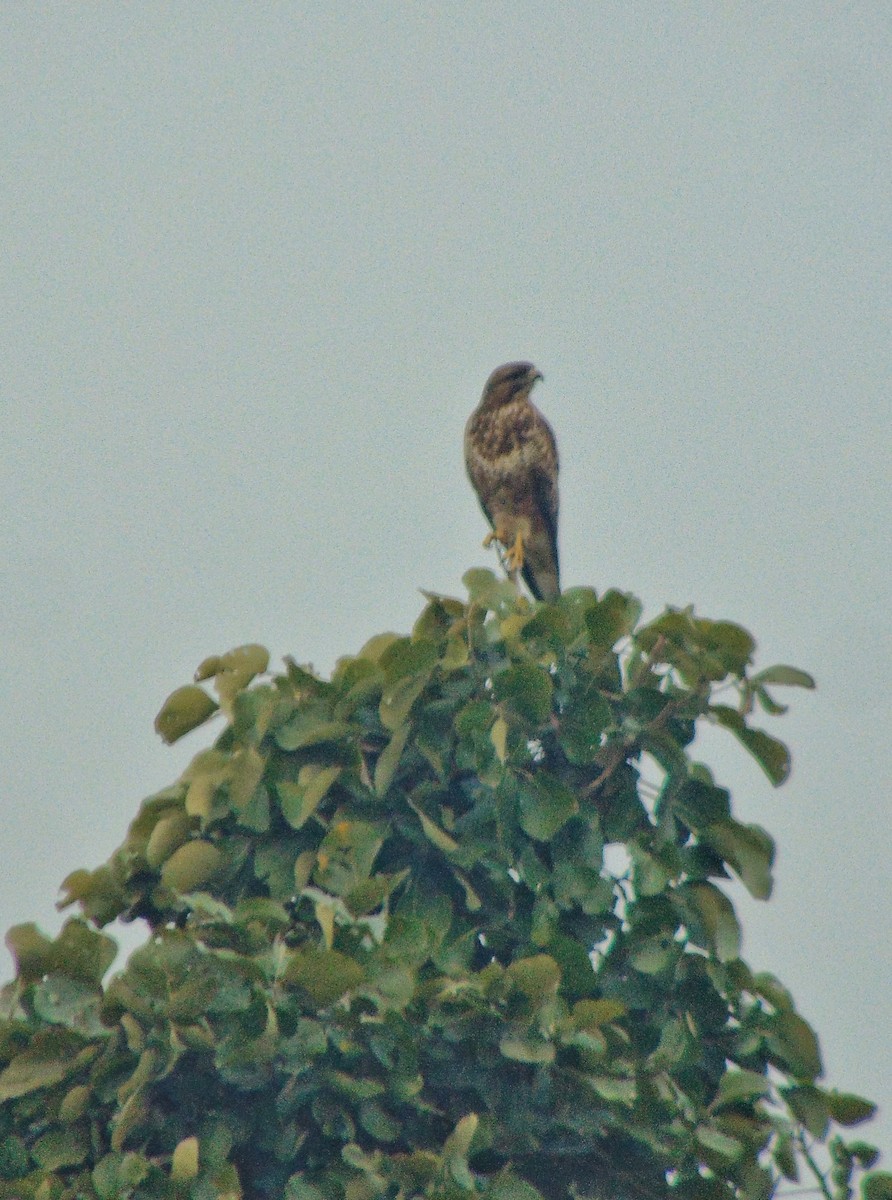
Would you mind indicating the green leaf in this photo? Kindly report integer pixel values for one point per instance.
(14, 1159)
(397, 700)
(720, 1143)
(252, 711)
(546, 805)
(550, 625)
(538, 977)
(527, 689)
(877, 1186)
(98, 892)
(698, 804)
(325, 975)
(168, 834)
(248, 765)
(490, 593)
(456, 1149)
(649, 874)
(654, 955)
(184, 1164)
(191, 866)
(712, 913)
(389, 759)
(84, 953)
(771, 755)
(507, 1186)
(244, 661)
(437, 618)
(809, 1106)
(576, 883)
(183, 710)
(46, 1061)
(256, 814)
(767, 985)
(117, 1175)
(73, 1003)
(498, 735)
(673, 1047)
(311, 725)
(75, 1104)
(205, 774)
(784, 1154)
(373, 650)
(346, 855)
(766, 702)
(299, 1188)
(698, 648)
(405, 656)
(33, 952)
(614, 1088)
(746, 848)
(433, 832)
(864, 1154)
(592, 1014)
(735, 1086)
(731, 642)
(612, 618)
(472, 900)
(61, 1148)
(377, 1122)
(848, 1109)
(785, 677)
(796, 1043)
(354, 1087)
(521, 1049)
(582, 726)
(300, 800)
(577, 973)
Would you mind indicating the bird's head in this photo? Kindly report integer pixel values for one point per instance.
(511, 381)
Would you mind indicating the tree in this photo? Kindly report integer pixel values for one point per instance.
(387, 957)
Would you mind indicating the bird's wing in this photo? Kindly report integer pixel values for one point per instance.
(541, 569)
(545, 481)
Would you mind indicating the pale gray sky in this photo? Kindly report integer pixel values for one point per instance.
(257, 261)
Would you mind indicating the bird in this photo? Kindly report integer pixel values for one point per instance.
(512, 461)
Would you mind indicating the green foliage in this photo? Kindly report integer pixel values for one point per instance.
(388, 958)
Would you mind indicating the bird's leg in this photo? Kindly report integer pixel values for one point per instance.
(511, 553)
(514, 557)
(498, 534)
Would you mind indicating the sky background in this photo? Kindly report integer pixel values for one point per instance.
(256, 263)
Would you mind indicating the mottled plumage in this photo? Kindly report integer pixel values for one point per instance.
(512, 461)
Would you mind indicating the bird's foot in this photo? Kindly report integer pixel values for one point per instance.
(514, 557)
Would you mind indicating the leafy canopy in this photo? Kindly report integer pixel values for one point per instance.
(388, 956)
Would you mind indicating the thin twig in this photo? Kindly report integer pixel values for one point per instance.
(814, 1168)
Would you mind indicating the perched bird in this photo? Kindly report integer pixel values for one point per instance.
(511, 458)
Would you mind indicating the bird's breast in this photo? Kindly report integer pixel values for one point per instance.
(502, 435)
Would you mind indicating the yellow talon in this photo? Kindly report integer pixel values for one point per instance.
(514, 557)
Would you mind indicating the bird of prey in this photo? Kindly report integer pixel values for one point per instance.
(511, 458)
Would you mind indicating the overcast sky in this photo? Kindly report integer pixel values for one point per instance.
(256, 263)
